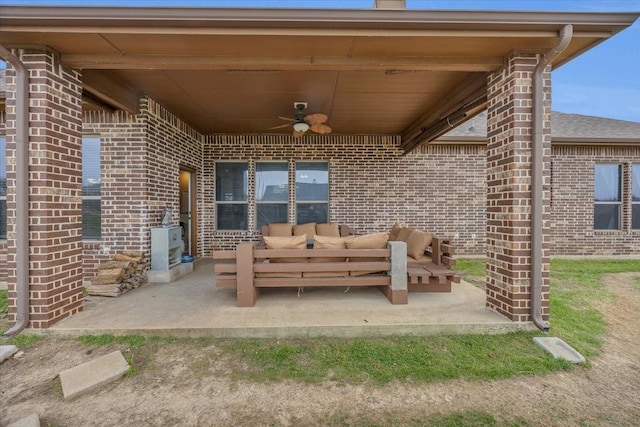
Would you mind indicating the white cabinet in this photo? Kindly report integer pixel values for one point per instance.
(166, 248)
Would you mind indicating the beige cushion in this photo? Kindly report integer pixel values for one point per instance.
(278, 275)
(294, 242)
(280, 229)
(328, 242)
(326, 274)
(368, 241)
(364, 273)
(328, 229)
(420, 262)
(395, 229)
(309, 229)
(417, 243)
(404, 234)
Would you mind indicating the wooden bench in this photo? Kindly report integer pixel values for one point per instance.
(435, 273)
(246, 269)
(431, 278)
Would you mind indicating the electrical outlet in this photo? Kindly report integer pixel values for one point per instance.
(456, 236)
(473, 236)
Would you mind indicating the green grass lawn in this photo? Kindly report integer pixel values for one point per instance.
(3, 303)
(576, 293)
(22, 340)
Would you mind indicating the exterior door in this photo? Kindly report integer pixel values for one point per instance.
(188, 211)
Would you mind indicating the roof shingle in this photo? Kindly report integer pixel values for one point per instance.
(564, 127)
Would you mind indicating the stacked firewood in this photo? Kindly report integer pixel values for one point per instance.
(126, 270)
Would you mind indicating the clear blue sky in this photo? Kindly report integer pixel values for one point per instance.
(602, 82)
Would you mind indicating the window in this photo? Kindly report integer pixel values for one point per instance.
(608, 197)
(312, 192)
(91, 212)
(635, 197)
(3, 187)
(232, 185)
(272, 193)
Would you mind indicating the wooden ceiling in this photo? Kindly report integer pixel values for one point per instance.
(237, 70)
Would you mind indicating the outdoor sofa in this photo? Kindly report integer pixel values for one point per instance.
(289, 257)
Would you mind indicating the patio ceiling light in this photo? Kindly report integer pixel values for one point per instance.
(301, 127)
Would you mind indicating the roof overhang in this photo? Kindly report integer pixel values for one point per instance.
(227, 70)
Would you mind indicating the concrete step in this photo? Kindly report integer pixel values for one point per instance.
(6, 351)
(559, 349)
(90, 375)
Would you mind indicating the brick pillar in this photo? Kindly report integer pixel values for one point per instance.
(509, 132)
(55, 189)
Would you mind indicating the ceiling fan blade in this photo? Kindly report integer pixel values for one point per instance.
(281, 126)
(320, 128)
(316, 118)
(297, 134)
(286, 118)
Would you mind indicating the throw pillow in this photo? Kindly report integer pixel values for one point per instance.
(328, 229)
(395, 229)
(294, 242)
(278, 275)
(403, 234)
(328, 242)
(280, 229)
(417, 243)
(369, 241)
(309, 229)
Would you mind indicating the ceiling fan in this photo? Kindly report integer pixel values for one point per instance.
(302, 123)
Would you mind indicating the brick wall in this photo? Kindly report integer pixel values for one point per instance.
(123, 184)
(440, 188)
(55, 225)
(572, 210)
(140, 158)
(509, 148)
(172, 144)
(3, 243)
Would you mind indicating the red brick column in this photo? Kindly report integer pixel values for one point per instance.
(510, 132)
(55, 193)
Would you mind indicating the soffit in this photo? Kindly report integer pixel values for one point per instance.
(237, 70)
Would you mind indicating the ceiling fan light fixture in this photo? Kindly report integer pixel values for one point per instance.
(301, 127)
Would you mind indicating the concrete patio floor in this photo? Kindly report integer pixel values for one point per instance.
(192, 306)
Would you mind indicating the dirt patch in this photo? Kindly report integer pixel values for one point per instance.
(180, 384)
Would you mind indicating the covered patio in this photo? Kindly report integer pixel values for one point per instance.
(168, 91)
(193, 307)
